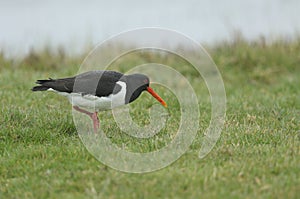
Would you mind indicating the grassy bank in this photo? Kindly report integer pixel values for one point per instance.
(257, 156)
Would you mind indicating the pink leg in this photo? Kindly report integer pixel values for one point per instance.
(96, 122)
(93, 116)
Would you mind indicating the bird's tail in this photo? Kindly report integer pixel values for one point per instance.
(42, 87)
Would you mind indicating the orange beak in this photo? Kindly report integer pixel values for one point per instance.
(156, 96)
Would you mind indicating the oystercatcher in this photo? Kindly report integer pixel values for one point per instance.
(99, 90)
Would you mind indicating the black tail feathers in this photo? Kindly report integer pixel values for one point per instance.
(42, 81)
(42, 87)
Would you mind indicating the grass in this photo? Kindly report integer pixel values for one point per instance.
(257, 156)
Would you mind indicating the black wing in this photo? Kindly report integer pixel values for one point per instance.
(99, 83)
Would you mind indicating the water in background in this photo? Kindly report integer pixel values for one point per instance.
(74, 24)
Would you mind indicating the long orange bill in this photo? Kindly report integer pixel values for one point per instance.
(156, 96)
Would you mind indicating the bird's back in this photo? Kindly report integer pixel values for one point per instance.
(98, 83)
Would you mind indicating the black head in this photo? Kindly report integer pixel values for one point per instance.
(136, 84)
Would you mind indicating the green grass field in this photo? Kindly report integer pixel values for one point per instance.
(257, 155)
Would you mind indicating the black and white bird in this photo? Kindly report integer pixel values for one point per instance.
(99, 90)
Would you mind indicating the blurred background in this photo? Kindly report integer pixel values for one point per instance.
(74, 25)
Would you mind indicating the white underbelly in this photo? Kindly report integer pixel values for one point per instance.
(94, 103)
(91, 102)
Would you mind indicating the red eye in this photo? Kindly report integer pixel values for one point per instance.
(146, 81)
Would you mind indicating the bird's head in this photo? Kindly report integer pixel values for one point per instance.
(136, 84)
